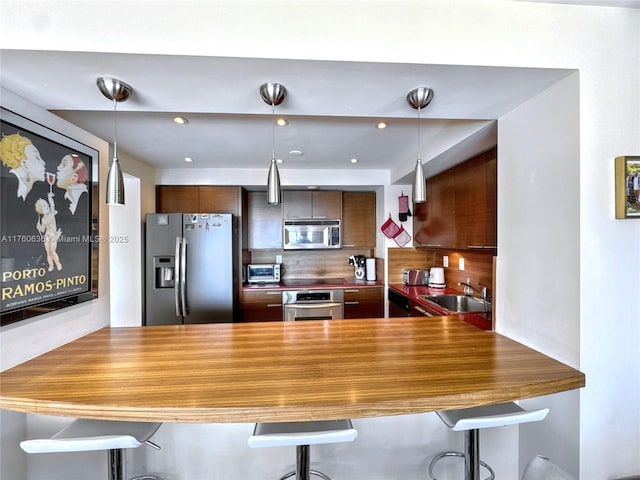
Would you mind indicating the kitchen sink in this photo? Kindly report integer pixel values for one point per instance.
(458, 303)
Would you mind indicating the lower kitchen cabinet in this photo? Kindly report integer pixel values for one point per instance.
(364, 302)
(262, 306)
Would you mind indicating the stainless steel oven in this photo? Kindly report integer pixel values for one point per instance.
(312, 305)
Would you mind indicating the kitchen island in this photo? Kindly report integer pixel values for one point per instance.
(282, 371)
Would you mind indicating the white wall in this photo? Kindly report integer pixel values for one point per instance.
(538, 263)
(126, 267)
(602, 44)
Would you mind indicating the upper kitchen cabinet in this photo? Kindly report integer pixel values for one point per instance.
(176, 199)
(359, 219)
(434, 222)
(198, 199)
(319, 204)
(475, 202)
(460, 211)
(264, 222)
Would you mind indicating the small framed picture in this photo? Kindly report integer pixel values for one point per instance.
(628, 187)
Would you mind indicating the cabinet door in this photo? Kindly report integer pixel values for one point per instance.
(264, 222)
(326, 204)
(262, 306)
(297, 204)
(219, 199)
(364, 302)
(176, 199)
(308, 204)
(359, 219)
(492, 202)
(433, 221)
(471, 203)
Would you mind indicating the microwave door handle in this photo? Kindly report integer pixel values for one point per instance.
(178, 274)
(183, 279)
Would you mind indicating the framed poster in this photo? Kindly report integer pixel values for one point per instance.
(627, 187)
(48, 219)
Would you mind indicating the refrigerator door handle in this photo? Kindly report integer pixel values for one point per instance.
(177, 277)
(183, 279)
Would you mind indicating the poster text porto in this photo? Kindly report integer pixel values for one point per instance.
(33, 284)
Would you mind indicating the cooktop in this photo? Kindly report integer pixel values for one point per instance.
(288, 282)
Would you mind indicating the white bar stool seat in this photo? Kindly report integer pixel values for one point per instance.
(302, 435)
(471, 420)
(83, 435)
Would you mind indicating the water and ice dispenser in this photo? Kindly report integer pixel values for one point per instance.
(164, 268)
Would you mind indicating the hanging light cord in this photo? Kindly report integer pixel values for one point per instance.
(115, 130)
(418, 132)
(273, 131)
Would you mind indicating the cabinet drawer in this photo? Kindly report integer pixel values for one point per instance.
(363, 302)
(262, 306)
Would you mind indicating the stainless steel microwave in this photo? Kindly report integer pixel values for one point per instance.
(311, 234)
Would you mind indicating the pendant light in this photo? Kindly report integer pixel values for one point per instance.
(118, 91)
(419, 98)
(273, 94)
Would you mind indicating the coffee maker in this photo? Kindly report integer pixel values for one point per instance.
(359, 265)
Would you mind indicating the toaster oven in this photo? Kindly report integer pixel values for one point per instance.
(263, 273)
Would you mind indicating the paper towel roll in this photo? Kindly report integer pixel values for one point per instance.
(371, 269)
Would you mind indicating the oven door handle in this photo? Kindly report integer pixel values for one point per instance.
(308, 306)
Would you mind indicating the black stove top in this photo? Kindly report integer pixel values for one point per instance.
(290, 282)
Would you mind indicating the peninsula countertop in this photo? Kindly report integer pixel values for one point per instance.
(281, 371)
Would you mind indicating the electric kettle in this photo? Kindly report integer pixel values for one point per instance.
(436, 277)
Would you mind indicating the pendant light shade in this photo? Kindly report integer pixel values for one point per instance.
(273, 94)
(115, 184)
(273, 184)
(419, 98)
(117, 91)
(419, 184)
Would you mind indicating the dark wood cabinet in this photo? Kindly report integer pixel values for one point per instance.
(264, 222)
(262, 306)
(320, 204)
(435, 217)
(460, 211)
(219, 199)
(176, 199)
(359, 219)
(471, 203)
(365, 302)
(198, 199)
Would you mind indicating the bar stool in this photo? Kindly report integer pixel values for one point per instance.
(302, 435)
(83, 435)
(471, 420)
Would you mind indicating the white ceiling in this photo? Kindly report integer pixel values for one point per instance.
(332, 107)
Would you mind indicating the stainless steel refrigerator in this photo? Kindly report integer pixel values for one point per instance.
(189, 268)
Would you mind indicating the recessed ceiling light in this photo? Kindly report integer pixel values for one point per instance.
(282, 122)
(296, 153)
(279, 160)
(381, 125)
(180, 120)
(354, 160)
(188, 159)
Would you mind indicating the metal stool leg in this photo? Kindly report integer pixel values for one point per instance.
(116, 464)
(471, 457)
(303, 463)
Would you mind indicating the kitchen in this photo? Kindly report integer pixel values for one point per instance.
(523, 235)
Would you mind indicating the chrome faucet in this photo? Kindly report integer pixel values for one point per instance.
(469, 289)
